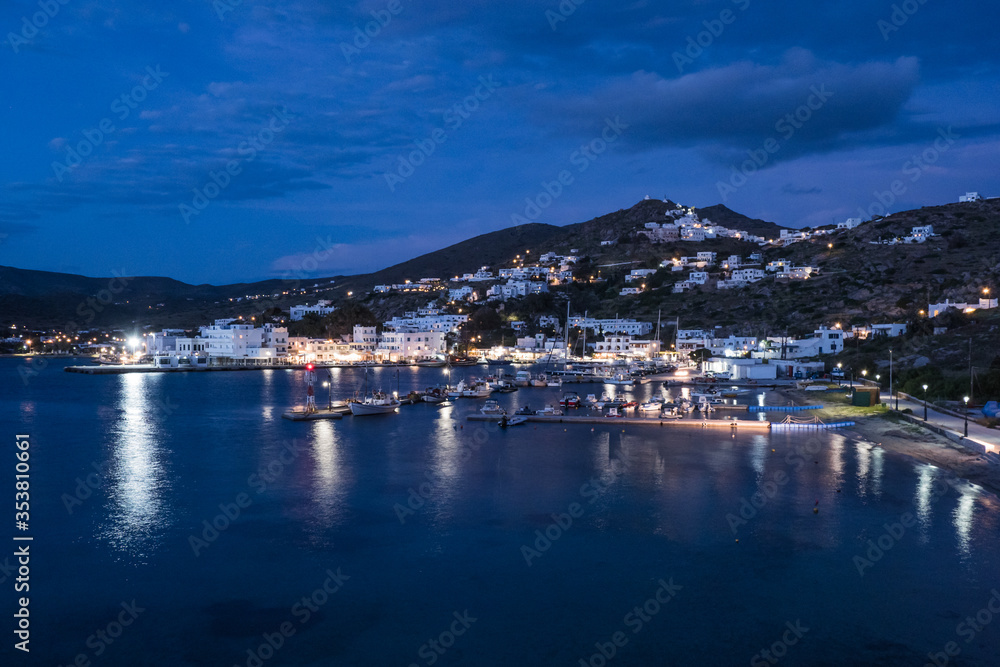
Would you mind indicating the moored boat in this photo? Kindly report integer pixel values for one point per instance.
(378, 403)
(570, 400)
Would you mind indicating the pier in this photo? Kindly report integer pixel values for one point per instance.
(633, 421)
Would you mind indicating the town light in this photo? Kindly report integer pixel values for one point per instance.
(925, 402)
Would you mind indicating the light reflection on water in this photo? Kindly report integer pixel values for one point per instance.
(963, 516)
(870, 469)
(925, 484)
(137, 481)
(330, 482)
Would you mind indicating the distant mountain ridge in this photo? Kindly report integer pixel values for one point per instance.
(51, 298)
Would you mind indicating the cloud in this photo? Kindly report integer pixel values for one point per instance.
(738, 105)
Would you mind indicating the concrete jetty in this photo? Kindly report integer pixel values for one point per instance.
(643, 421)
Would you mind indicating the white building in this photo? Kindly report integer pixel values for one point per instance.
(548, 321)
(748, 275)
(823, 341)
(969, 197)
(516, 288)
(404, 345)
(465, 293)
(612, 326)
(850, 223)
(698, 277)
(626, 346)
(741, 369)
(639, 274)
(321, 308)
(935, 309)
(414, 321)
(364, 339)
(630, 291)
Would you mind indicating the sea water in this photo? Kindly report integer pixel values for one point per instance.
(177, 519)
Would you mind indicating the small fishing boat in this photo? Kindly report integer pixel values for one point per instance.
(478, 389)
(378, 403)
(492, 407)
(375, 403)
(431, 363)
(651, 406)
(506, 421)
(619, 379)
(522, 379)
(435, 395)
(570, 400)
(539, 381)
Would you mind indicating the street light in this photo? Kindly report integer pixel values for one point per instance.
(966, 399)
(925, 402)
(840, 375)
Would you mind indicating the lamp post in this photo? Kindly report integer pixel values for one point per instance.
(966, 399)
(891, 388)
(840, 375)
(925, 402)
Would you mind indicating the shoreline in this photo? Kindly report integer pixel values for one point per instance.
(899, 436)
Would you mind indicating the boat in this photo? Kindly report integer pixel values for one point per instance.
(492, 407)
(591, 399)
(522, 379)
(464, 362)
(570, 400)
(553, 381)
(526, 410)
(378, 403)
(651, 406)
(431, 363)
(619, 379)
(548, 411)
(478, 389)
(413, 397)
(539, 381)
(506, 421)
(501, 362)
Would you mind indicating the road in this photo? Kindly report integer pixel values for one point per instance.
(988, 437)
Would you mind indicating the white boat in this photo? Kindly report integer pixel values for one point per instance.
(652, 406)
(492, 407)
(522, 379)
(553, 381)
(511, 421)
(379, 403)
(478, 389)
(539, 381)
(590, 399)
(548, 411)
(619, 379)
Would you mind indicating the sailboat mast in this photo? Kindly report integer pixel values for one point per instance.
(566, 337)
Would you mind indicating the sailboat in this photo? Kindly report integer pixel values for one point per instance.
(376, 403)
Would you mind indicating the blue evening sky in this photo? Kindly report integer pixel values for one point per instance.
(116, 112)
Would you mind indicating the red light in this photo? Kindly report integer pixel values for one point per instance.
(309, 367)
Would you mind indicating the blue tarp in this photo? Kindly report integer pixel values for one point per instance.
(991, 409)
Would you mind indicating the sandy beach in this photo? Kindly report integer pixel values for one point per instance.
(882, 427)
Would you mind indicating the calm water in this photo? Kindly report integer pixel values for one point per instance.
(421, 516)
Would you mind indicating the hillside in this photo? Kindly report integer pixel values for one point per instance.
(858, 281)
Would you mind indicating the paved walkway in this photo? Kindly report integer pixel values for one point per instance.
(988, 437)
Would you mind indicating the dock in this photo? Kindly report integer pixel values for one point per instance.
(637, 421)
